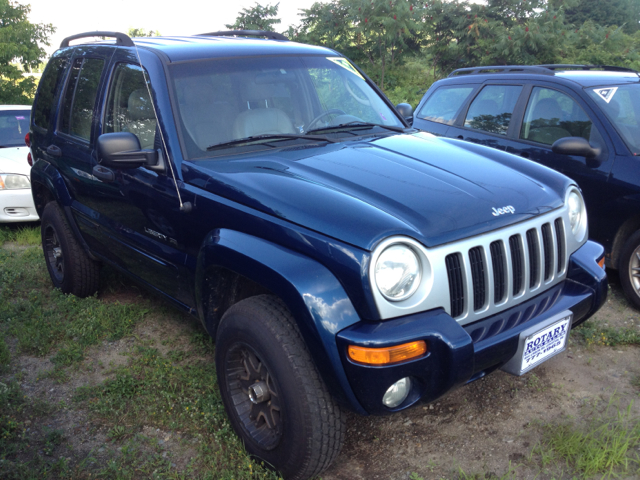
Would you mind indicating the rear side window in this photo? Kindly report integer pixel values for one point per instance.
(444, 104)
(80, 97)
(49, 83)
(492, 109)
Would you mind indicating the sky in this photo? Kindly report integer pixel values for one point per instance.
(176, 17)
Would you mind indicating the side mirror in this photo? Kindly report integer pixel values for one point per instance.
(577, 146)
(122, 150)
(406, 111)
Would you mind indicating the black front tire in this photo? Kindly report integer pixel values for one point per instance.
(292, 423)
(629, 269)
(70, 268)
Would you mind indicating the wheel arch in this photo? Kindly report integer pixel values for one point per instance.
(48, 185)
(233, 266)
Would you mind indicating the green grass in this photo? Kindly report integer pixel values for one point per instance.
(21, 234)
(605, 446)
(174, 391)
(593, 333)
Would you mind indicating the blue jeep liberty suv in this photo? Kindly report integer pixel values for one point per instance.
(340, 259)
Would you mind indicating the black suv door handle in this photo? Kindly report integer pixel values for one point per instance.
(54, 151)
(103, 173)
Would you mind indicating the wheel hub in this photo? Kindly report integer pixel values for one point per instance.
(55, 257)
(259, 393)
(260, 412)
(634, 270)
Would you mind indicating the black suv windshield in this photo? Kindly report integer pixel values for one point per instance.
(14, 125)
(224, 100)
(621, 103)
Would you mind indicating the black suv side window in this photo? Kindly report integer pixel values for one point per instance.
(80, 97)
(444, 104)
(49, 83)
(129, 107)
(491, 110)
(552, 115)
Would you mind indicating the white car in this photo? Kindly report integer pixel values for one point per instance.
(16, 201)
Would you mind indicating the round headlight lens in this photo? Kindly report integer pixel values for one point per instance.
(397, 272)
(576, 210)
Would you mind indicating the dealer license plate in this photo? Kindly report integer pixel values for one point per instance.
(540, 344)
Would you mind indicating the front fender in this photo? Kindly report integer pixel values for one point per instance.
(313, 295)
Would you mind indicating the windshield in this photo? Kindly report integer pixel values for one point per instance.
(227, 100)
(621, 104)
(14, 125)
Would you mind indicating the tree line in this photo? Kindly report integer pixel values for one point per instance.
(405, 45)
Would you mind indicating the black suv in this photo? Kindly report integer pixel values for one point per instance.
(339, 258)
(581, 120)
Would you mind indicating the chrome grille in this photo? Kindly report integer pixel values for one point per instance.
(481, 276)
(545, 257)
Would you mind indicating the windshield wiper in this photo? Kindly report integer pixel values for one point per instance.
(271, 136)
(358, 124)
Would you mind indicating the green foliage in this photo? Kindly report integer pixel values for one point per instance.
(257, 17)
(20, 50)
(611, 12)
(141, 32)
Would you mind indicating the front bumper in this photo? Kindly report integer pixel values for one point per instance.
(461, 354)
(17, 206)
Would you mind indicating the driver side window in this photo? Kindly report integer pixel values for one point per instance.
(129, 107)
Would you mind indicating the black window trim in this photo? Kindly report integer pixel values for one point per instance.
(463, 114)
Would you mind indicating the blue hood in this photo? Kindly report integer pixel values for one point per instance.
(360, 192)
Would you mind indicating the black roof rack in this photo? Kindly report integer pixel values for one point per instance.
(606, 68)
(548, 69)
(122, 39)
(246, 33)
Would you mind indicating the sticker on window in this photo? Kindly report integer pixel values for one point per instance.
(346, 64)
(606, 93)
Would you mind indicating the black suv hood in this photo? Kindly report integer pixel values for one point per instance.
(431, 189)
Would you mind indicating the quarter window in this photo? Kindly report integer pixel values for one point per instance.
(444, 105)
(49, 83)
(552, 115)
(129, 107)
(492, 109)
(80, 97)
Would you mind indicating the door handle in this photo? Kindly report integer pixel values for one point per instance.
(103, 173)
(54, 151)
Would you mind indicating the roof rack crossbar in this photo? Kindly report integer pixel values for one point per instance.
(122, 39)
(246, 33)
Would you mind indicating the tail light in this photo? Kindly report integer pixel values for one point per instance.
(27, 141)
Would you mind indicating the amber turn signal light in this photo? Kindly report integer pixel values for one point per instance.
(388, 355)
(601, 263)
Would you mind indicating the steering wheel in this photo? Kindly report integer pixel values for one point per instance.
(331, 111)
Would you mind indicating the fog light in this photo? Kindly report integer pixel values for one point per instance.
(397, 393)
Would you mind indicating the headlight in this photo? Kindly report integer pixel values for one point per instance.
(397, 272)
(14, 182)
(577, 214)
